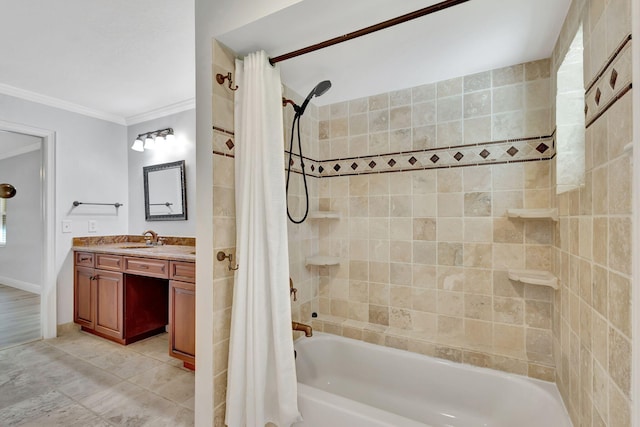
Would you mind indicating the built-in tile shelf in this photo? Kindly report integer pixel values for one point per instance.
(534, 277)
(322, 260)
(551, 213)
(324, 215)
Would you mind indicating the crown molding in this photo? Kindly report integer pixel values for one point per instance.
(178, 107)
(20, 150)
(58, 103)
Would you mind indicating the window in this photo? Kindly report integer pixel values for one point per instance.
(3, 222)
(570, 167)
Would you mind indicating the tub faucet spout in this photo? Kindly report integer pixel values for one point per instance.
(302, 327)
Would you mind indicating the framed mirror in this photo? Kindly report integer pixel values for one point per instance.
(165, 192)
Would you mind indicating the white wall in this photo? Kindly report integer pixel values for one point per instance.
(21, 257)
(232, 14)
(91, 166)
(184, 148)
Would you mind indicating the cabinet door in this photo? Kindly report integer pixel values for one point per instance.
(182, 321)
(109, 303)
(83, 297)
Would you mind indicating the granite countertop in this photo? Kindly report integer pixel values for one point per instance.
(139, 249)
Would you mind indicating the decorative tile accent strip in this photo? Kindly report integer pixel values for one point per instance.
(510, 151)
(612, 82)
(223, 142)
(623, 45)
(494, 152)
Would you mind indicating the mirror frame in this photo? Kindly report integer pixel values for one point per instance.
(169, 217)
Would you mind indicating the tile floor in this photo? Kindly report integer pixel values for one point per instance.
(81, 380)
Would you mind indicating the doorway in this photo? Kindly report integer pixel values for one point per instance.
(27, 253)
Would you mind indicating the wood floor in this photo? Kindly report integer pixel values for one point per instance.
(19, 316)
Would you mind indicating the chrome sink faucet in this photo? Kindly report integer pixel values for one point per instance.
(152, 240)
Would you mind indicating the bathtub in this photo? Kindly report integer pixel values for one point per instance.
(349, 383)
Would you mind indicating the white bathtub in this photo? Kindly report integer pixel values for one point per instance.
(349, 383)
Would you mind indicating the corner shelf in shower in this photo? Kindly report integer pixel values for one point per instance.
(534, 277)
(324, 215)
(322, 260)
(551, 214)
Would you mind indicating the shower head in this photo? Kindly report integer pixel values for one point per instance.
(319, 90)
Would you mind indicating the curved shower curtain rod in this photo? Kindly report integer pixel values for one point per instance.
(370, 29)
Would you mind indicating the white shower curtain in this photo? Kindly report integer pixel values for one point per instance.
(261, 385)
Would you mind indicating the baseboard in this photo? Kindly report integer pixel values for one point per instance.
(19, 284)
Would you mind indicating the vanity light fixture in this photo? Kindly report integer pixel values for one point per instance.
(138, 145)
(149, 143)
(151, 140)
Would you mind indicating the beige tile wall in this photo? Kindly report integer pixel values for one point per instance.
(592, 248)
(224, 220)
(424, 254)
(303, 238)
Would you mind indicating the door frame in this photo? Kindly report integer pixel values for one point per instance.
(48, 290)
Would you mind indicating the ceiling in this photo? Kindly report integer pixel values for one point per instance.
(113, 59)
(475, 36)
(129, 61)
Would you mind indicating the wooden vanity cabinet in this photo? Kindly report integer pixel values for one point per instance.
(98, 301)
(83, 305)
(182, 312)
(121, 307)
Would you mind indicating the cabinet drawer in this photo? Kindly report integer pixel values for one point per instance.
(109, 262)
(147, 267)
(183, 271)
(84, 259)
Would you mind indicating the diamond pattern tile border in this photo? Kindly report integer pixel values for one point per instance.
(509, 151)
(494, 152)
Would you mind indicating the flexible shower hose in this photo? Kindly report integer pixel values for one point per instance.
(296, 119)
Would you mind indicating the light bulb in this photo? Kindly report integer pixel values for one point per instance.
(149, 143)
(170, 138)
(138, 145)
(160, 143)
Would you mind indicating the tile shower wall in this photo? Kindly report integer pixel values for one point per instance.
(425, 252)
(303, 238)
(592, 249)
(224, 221)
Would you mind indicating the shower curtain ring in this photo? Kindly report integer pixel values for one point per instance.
(221, 256)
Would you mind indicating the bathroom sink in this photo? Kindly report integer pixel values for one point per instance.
(137, 247)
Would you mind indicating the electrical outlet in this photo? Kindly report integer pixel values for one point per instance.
(93, 226)
(66, 226)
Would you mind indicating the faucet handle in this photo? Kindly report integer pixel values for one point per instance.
(147, 241)
(161, 241)
(293, 290)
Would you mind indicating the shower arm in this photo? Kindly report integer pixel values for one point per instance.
(286, 101)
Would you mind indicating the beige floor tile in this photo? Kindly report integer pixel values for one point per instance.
(80, 380)
(124, 363)
(172, 383)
